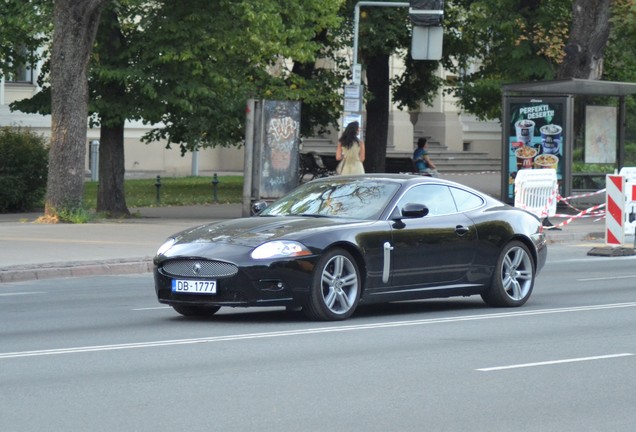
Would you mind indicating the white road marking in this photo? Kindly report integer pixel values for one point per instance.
(606, 278)
(310, 331)
(588, 260)
(21, 293)
(553, 362)
(152, 308)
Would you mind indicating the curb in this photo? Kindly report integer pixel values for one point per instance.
(76, 269)
(145, 265)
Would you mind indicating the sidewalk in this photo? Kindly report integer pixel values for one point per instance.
(39, 251)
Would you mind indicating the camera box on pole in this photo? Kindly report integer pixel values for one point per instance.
(428, 33)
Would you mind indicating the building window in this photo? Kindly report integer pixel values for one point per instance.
(22, 73)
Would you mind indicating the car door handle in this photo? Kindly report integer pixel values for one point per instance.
(386, 270)
(461, 230)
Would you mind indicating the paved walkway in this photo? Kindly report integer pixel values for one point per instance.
(31, 250)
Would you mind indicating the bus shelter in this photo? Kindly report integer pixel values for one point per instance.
(554, 124)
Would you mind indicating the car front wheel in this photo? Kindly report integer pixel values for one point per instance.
(196, 311)
(514, 276)
(335, 289)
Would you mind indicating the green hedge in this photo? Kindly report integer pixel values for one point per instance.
(23, 169)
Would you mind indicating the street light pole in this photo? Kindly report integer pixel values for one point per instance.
(356, 22)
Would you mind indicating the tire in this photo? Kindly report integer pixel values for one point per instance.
(513, 280)
(196, 311)
(336, 287)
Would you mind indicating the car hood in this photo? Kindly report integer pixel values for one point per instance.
(253, 231)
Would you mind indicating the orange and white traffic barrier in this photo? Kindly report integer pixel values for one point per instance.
(615, 207)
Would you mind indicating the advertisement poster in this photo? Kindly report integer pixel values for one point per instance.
(600, 134)
(535, 134)
(279, 155)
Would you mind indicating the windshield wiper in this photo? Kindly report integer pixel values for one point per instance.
(314, 215)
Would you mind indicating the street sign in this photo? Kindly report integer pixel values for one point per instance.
(426, 43)
(357, 74)
(353, 98)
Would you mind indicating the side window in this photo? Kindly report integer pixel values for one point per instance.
(437, 198)
(465, 200)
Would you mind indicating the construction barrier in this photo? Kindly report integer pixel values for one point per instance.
(629, 173)
(536, 191)
(615, 206)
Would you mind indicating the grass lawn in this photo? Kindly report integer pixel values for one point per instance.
(174, 191)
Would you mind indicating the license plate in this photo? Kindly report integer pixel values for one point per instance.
(193, 286)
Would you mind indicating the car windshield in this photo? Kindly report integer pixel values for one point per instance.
(336, 197)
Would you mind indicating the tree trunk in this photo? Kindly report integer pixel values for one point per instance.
(111, 194)
(111, 197)
(377, 127)
(75, 24)
(588, 38)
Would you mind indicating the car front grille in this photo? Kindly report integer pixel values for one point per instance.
(199, 268)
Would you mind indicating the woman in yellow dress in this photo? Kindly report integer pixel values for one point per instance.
(350, 151)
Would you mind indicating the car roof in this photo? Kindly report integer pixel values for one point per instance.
(408, 180)
(405, 178)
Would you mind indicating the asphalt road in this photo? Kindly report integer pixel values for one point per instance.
(100, 354)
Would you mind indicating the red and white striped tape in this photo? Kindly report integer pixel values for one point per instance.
(583, 195)
(592, 211)
(573, 197)
(551, 198)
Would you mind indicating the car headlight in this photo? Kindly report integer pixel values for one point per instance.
(167, 245)
(280, 249)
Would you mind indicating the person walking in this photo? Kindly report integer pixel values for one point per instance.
(423, 162)
(350, 151)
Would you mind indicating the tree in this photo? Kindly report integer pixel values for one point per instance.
(24, 29)
(528, 40)
(199, 62)
(75, 25)
(620, 61)
(188, 67)
(589, 33)
(620, 53)
(507, 41)
(227, 52)
(111, 73)
(26, 38)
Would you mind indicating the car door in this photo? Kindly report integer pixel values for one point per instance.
(437, 249)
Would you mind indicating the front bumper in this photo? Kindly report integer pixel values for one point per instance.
(277, 283)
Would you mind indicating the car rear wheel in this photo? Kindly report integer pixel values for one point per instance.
(514, 276)
(196, 311)
(335, 289)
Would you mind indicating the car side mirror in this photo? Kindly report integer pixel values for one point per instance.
(258, 207)
(414, 211)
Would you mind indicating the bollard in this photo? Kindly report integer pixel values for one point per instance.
(158, 186)
(94, 159)
(215, 184)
